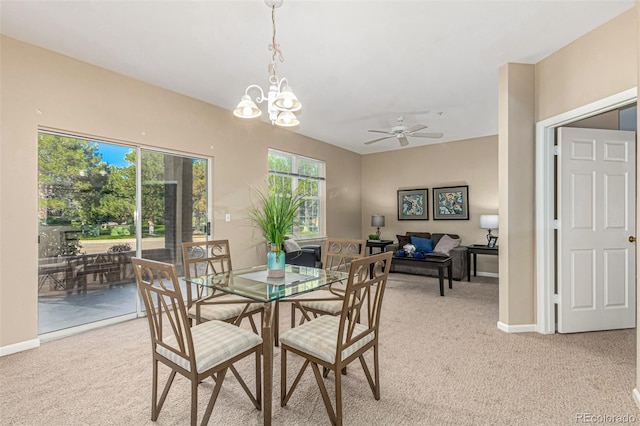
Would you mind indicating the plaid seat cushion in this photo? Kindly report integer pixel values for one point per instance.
(222, 311)
(331, 304)
(320, 336)
(214, 342)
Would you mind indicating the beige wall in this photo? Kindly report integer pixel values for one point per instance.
(517, 193)
(472, 162)
(597, 65)
(42, 88)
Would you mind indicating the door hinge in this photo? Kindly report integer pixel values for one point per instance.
(207, 228)
(556, 299)
(556, 150)
(556, 224)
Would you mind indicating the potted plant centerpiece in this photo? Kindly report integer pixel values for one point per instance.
(274, 214)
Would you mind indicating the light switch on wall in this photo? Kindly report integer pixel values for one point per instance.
(227, 217)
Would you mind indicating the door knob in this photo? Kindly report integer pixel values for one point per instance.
(632, 239)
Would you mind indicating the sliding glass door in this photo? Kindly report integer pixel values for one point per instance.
(90, 194)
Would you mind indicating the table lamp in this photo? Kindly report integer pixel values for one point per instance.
(489, 221)
(377, 221)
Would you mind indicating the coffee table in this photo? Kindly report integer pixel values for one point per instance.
(440, 262)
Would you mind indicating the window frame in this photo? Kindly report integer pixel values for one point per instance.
(296, 177)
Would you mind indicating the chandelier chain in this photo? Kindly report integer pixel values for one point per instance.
(275, 47)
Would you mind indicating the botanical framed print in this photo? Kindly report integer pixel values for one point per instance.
(413, 204)
(451, 202)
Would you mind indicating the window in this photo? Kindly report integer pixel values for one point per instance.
(90, 192)
(288, 171)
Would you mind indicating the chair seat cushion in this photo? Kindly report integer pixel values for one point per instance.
(210, 310)
(332, 305)
(214, 342)
(320, 336)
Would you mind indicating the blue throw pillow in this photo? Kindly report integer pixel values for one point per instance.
(424, 245)
(400, 253)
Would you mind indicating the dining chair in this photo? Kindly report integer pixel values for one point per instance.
(337, 255)
(197, 352)
(332, 342)
(212, 257)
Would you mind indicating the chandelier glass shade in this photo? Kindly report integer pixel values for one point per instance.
(280, 99)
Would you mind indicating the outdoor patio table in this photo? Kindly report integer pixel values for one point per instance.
(254, 284)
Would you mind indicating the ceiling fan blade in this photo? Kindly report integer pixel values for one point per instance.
(417, 127)
(380, 131)
(377, 140)
(427, 135)
(403, 141)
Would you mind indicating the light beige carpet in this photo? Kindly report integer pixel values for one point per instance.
(443, 362)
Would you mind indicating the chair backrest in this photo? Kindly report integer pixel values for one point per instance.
(360, 316)
(203, 258)
(159, 288)
(338, 253)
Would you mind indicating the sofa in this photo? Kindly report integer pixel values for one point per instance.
(458, 256)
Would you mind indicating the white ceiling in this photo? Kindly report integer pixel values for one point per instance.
(354, 65)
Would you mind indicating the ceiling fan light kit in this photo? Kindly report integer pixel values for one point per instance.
(401, 132)
(280, 99)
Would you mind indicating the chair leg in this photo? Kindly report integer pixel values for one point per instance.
(338, 383)
(167, 386)
(214, 397)
(194, 400)
(293, 314)
(276, 324)
(324, 393)
(154, 392)
(375, 386)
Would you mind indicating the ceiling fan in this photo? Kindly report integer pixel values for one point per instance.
(401, 132)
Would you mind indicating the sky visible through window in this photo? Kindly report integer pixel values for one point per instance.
(113, 154)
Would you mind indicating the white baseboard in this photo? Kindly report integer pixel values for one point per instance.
(521, 328)
(636, 396)
(488, 274)
(19, 347)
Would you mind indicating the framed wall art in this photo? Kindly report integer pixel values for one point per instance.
(451, 202)
(413, 204)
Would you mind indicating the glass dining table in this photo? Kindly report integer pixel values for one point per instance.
(254, 284)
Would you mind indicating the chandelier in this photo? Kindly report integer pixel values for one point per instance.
(281, 102)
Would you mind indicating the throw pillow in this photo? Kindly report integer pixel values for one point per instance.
(291, 245)
(403, 240)
(424, 245)
(446, 244)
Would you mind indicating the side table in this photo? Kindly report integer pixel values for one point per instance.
(475, 250)
(381, 244)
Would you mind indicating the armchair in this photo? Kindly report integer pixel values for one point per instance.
(308, 255)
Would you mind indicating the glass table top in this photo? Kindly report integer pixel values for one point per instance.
(254, 283)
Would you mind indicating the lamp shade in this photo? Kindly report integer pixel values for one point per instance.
(287, 101)
(377, 220)
(286, 119)
(247, 108)
(489, 221)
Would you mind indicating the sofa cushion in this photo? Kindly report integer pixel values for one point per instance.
(403, 240)
(436, 237)
(446, 244)
(419, 234)
(424, 245)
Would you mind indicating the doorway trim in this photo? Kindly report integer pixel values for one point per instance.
(545, 187)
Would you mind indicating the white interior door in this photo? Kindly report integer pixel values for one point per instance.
(596, 211)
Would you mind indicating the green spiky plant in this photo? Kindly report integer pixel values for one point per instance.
(274, 214)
